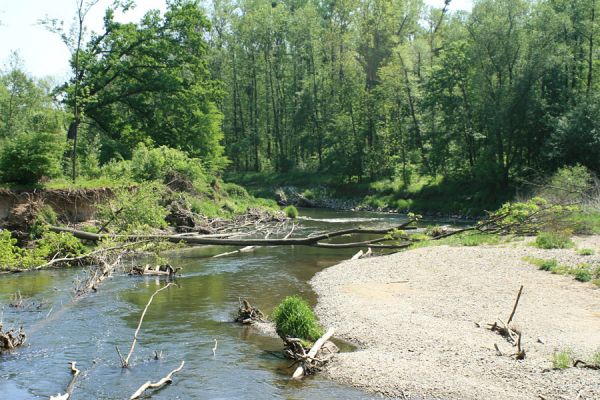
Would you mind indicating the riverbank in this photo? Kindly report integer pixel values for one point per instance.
(415, 316)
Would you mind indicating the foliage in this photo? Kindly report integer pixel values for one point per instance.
(163, 163)
(562, 359)
(45, 216)
(148, 82)
(50, 245)
(554, 240)
(291, 212)
(570, 184)
(10, 253)
(28, 157)
(585, 252)
(136, 209)
(582, 275)
(294, 318)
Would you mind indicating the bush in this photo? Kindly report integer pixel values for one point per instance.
(553, 240)
(569, 185)
(29, 157)
(562, 359)
(291, 212)
(582, 275)
(50, 245)
(294, 318)
(135, 210)
(46, 216)
(159, 163)
(10, 254)
(234, 190)
(585, 252)
(549, 265)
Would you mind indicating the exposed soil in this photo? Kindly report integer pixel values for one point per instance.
(419, 319)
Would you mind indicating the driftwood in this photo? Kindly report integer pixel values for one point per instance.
(164, 381)
(98, 275)
(246, 249)
(363, 254)
(308, 363)
(247, 314)
(74, 375)
(160, 270)
(125, 361)
(11, 338)
(511, 334)
(314, 241)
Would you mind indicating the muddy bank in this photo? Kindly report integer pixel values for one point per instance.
(415, 317)
(72, 205)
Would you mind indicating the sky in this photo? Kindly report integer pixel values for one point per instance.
(44, 54)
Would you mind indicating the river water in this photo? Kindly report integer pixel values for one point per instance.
(182, 323)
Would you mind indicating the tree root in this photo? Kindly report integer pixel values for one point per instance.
(511, 334)
(247, 314)
(11, 338)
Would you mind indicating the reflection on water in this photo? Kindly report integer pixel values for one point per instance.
(182, 322)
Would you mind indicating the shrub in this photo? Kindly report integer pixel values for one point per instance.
(10, 254)
(562, 359)
(291, 212)
(582, 275)
(135, 210)
(50, 245)
(569, 184)
(553, 240)
(29, 157)
(585, 252)
(549, 265)
(235, 190)
(161, 162)
(294, 318)
(61, 244)
(46, 216)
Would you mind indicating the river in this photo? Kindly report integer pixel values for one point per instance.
(182, 323)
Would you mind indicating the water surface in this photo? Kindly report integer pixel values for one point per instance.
(182, 323)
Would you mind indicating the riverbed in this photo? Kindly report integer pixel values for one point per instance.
(181, 324)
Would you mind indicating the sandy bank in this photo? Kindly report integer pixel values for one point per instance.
(414, 316)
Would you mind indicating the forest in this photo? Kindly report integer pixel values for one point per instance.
(385, 94)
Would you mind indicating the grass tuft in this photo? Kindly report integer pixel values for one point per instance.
(294, 318)
(291, 212)
(585, 252)
(562, 359)
(553, 240)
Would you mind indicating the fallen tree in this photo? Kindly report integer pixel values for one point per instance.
(164, 381)
(314, 241)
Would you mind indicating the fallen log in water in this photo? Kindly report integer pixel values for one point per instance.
(164, 381)
(315, 241)
(75, 373)
(158, 270)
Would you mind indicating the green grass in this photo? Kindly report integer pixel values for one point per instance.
(585, 252)
(562, 359)
(458, 195)
(291, 212)
(294, 318)
(553, 240)
(586, 222)
(582, 275)
(596, 359)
